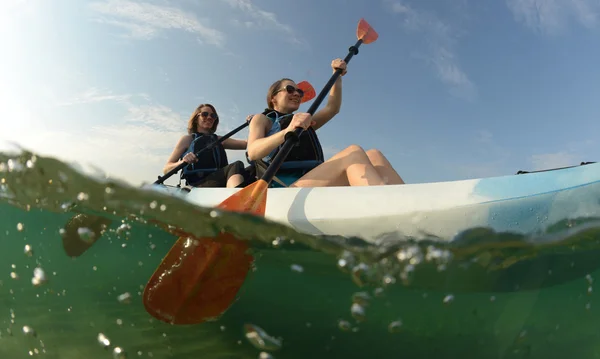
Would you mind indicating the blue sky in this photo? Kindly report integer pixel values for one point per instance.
(451, 90)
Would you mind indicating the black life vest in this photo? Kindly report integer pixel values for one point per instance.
(305, 155)
(209, 160)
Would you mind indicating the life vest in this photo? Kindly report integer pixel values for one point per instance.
(305, 155)
(209, 160)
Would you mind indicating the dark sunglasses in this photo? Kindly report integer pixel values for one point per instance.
(291, 89)
(206, 114)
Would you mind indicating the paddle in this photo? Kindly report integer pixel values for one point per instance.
(199, 278)
(82, 230)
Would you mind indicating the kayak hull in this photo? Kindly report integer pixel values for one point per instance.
(525, 204)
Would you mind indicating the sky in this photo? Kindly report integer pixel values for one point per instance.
(451, 90)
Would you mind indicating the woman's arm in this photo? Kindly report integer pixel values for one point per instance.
(258, 145)
(180, 147)
(233, 144)
(334, 101)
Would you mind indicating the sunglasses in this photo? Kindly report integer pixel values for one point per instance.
(291, 89)
(206, 114)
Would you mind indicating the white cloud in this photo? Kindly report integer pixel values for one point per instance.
(552, 16)
(553, 160)
(93, 95)
(440, 53)
(262, 18)
(144, 20)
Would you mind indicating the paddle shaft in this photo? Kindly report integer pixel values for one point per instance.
(291, 138)
(161, 179)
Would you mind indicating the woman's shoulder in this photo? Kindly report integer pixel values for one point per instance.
(186, 139)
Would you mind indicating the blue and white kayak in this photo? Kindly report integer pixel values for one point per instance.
(523, 203)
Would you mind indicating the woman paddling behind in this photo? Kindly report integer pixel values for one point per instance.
(305, 165)
(211, 168)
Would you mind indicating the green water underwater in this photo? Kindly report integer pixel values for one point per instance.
(309, 295)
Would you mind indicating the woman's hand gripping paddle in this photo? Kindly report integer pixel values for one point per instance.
(83, 230)
(199, 278)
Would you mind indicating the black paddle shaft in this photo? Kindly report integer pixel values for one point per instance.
(291, 138)
(161, 179)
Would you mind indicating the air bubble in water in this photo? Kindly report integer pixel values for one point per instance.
(103, 340)
(344, 325)
(39, 277)
(28, 250)
(82, 196)
(297, 268)
(394, 326)
(85, 234)
(361, 298)
(265, 355)
(358, 312)
(346, 261)
(360, 273)
(124, 298)
(14, 165)
(153, 204)
(163, 207)
(278, 242)
(14, 275)
(20, 226)
(388, 279)
(260, 339)
(378, 292)
(27, 330)
(119, 353)
(448, 299)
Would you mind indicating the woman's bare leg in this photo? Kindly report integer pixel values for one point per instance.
(384, 167)
(350, 166)
(235, 181)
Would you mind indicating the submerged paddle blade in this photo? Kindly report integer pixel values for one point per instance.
(198, 279)
(251, 199)
(81, 232)
(309, 91)
(365, 32)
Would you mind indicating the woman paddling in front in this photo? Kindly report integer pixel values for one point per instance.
(305, 165)
(211, 168)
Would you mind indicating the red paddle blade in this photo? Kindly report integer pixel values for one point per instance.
(365, 32)
(251, 199)
(198, 279)
(309, 91)
(81, 232)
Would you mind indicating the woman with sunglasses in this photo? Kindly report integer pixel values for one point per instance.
(305, 165)
(211, 167)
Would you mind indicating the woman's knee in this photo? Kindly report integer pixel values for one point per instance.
(354, 149)
(376, 155)
(238, 167)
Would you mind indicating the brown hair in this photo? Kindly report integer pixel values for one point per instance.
(274, 87)
(192, 125)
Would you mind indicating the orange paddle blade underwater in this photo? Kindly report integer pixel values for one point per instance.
(202, 283)
(199, 278)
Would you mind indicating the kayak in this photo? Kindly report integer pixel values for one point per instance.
(525, 231)
(526, 203)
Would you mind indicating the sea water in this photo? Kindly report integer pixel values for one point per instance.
(479, 295)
